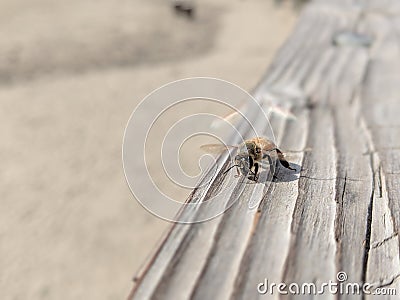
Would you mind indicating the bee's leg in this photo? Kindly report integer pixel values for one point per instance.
(251, 164)
(256, 166)
(283, 161)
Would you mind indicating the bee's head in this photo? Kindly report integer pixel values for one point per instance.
(242, 162)
(253, 148)
(242, 158)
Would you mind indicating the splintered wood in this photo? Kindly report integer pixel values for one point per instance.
(340, 73)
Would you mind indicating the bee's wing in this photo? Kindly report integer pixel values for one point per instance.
(235, 116)
(291, 155)
(274, 104)
(296, 152)
(232, 118)
(284, 112)
(216, 148)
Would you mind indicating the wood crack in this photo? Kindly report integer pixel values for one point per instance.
(338, 227)
(367, 244)
(380, 181)
(333, 178)
(385, 282)
(378, 244)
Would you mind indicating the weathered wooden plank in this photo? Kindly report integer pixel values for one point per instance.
(343, 214)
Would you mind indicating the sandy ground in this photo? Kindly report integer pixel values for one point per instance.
(71, 72)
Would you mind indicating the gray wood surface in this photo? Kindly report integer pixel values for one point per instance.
(340, 73)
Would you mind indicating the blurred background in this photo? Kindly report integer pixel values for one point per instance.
(71, 73)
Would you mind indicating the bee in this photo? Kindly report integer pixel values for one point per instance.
(250, 155)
